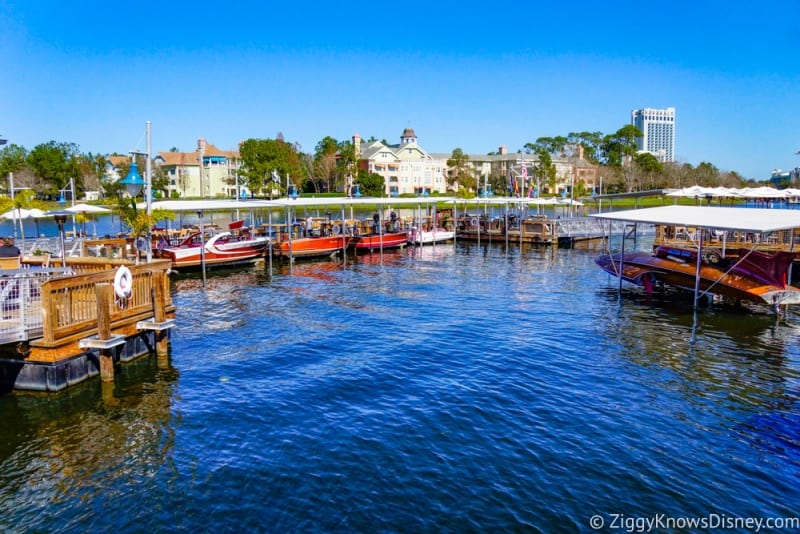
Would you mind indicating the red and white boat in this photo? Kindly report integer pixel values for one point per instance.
(312, 247)
(378, 241)
(224, 248)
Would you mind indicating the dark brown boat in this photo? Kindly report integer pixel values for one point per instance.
(752, 275)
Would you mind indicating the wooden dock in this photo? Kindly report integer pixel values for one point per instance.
(533, 230)
(64, 324)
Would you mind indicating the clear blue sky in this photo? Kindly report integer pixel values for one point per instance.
(463, 75)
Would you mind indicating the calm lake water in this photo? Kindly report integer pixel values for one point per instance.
(447, 389)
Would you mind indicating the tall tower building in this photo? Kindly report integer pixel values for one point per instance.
(658, 132)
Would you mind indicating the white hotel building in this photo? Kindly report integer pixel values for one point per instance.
(658, 132)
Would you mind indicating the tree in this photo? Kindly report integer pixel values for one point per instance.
(706, 175)
(138, 220)
(371, 184)
(620, 147)
(460, 170)
(619, 150)
(262, 157)
(649, 171)
(12, 159)
(54, 164)
(325, 164)
(346, 163)
(93, 171)
(591, 143)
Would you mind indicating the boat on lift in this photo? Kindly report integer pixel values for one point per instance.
(234, 247)
(745, 274)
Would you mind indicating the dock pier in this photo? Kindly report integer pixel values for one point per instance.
(64, 325)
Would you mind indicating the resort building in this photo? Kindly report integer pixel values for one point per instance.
(658, 132)
(217, 178)
(407, 168)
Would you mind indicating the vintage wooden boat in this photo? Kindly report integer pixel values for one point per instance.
(425, 236)
(753, 275)
(534, 229)
(312, 247)
(378, 241)
(223, 248)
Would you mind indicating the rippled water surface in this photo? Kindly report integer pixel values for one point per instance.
(448, 389)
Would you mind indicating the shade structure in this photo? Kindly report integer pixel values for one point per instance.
(762, 192)
(19, 214)
(737, 219)
(87, 208)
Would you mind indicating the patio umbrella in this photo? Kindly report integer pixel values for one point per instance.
(90, 210)
(20, 214)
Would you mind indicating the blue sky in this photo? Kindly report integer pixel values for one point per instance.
(464, 75)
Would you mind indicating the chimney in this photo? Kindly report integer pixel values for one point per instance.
(357, 144)
(580, 151)
(503, 150)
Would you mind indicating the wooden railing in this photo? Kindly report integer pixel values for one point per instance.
(70, 304)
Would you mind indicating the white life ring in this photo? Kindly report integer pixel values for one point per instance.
(123, 283)
(474, 221)
(335, 229)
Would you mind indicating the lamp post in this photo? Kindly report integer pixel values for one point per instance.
(61, 218)
(134, 184)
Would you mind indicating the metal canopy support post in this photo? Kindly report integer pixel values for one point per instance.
(505, 224)
(343, 231)
(455, 224)
(270, 234)
(202, 247)
(622, 254)
(697, 270)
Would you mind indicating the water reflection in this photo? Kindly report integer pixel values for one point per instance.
(94, 438)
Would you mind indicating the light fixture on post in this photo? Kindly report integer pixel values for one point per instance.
(134, 184)
(61, 218)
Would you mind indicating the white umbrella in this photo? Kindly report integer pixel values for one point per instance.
(20, 214)
(90, 209)
(762, 192)
(86, 208)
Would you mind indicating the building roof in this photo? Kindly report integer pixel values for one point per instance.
(116, 161)
(191, 158)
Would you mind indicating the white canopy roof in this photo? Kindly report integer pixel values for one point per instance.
(208, 205)
(211, 205)
(742, 219)
(501, 201)
(360, 201)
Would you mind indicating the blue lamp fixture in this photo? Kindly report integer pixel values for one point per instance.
(134, 183)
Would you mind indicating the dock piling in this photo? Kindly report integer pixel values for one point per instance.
(104, 299)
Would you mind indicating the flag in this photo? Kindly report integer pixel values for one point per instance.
(525, 176)
(510, 183)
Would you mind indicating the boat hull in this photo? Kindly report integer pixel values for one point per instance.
(643, 269)
(312, 247)
(220, 250)
(379, 241)
(426, 237)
